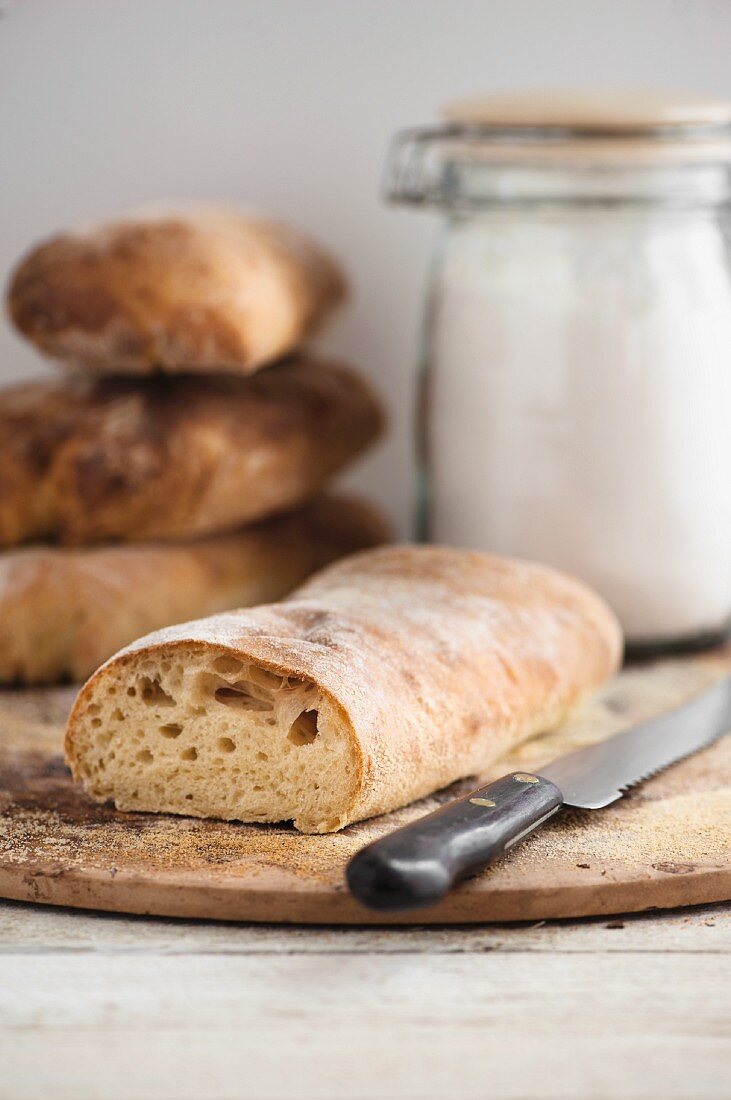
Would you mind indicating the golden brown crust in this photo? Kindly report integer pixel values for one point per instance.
(86, 461)
(63, 612)
(439, 659)
(198, 290)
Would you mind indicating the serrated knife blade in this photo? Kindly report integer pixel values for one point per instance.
(598, 775)
(417, 864)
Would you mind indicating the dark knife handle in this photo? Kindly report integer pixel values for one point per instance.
(416, 865)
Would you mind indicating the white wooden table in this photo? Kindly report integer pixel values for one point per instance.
(119, 1008)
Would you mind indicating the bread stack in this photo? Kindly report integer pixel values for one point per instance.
(175, 469)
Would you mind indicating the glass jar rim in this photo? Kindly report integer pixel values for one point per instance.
(439, 165)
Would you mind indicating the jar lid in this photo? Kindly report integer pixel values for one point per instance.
(612, 112)
(591, 131)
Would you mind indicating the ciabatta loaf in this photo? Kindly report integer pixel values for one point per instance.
(386, 676)
(198, 289)
(64, 611)
(84, 461)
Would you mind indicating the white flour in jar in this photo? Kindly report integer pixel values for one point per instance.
(580, 406)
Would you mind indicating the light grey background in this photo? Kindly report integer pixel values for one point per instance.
(288, 105)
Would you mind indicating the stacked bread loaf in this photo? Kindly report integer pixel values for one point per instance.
(176, 467)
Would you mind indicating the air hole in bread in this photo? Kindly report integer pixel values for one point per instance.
(225, 744)
(93, 708)
(131, 691)
(228, 666)
(265, 679)
(303, 730)
(189, 754)
(172, 729)
(96, 722)
(239, 696)
(153, 693)
(145, 756)
(117, 715)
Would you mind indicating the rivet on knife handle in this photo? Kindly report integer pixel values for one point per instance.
(417, 864)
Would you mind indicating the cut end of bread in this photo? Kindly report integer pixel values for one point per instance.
(207, 734)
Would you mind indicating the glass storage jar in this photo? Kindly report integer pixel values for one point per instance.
(576, 386)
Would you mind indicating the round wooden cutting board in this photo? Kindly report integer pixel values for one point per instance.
(667, 843)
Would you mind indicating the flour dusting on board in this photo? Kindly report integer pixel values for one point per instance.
(667, 843)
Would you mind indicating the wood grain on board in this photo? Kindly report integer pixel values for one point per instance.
(667, 843)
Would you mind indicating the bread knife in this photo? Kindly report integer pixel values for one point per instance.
(416, 865)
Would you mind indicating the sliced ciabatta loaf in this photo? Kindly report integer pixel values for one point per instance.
(84, 461)
(193, 289)
(386, 676)
(65, 610)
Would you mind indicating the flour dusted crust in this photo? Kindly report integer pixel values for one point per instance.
(197, 289)
(64, 611)
(85, 461)
(386, 676)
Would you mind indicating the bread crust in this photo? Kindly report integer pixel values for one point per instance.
(200, 289)
(63, 612)
(85, 461)
(439, 660)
